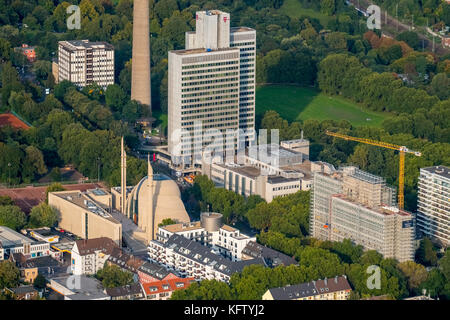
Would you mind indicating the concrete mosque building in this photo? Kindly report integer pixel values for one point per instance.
(97, 213)
(155, 198)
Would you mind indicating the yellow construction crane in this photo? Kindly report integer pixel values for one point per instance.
(402, 151)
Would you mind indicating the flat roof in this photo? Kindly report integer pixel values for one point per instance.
(178, 227)
(439, 170)
(90, 288)
(385, 210)
(78, 198)
(9, 237)
(241, 29)
(247, 171)
(201, 50)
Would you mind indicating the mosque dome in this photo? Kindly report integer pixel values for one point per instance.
(165, 202)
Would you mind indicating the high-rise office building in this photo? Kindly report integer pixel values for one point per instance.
(83, 62)
(433, 207)
(211, 82)
(352, 204)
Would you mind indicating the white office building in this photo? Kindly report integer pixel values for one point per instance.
(83, 63)
(211, 83)
(433, 207)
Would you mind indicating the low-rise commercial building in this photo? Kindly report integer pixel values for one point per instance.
(85, 214)
(13, 242)
(336, 288)
(79, 288)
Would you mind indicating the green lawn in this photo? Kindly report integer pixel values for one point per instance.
(298, 103)
(294, 9)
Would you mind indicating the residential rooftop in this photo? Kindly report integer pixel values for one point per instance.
(309, 289)
(203, 255)
(439, 170)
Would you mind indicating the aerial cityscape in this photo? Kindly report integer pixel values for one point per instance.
(233, 150)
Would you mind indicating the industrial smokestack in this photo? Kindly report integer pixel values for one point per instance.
(140, 72)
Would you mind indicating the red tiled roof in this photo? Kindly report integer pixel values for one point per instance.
(8, 119)
(172, 283)
(28, 197)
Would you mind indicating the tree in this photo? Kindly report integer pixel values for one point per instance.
(410, 37)
(205, 290)
(414, 273)
(426, 254)
(54, 187)
(444, 265)
(43, 215)
(9, 275)
(40, 282)
(112, 276)
(440, 86)
(12, 217)
(115, 97)
(166, 222)
(6, 201)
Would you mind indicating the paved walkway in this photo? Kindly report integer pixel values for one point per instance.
(136, 246)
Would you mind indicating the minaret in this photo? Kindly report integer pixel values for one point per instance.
(140, 71)
(123, 184)
(150, 217)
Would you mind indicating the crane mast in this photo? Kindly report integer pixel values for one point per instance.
(402, 151)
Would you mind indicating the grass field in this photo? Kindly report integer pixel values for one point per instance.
(294, 9)
(298, 103)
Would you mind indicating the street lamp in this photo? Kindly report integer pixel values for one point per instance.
(98, 173)
(9, 174)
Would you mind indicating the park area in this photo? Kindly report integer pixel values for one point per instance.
(295, 103)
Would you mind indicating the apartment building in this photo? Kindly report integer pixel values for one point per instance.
(89, 256)
(83, 62)
(433, 205)
(355, 184)
(210, 231)
(211, 87)
(352, 204)
(336, 288)
(388, 230)
(189, 258)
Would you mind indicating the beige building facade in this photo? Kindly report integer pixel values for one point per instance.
(84, 214)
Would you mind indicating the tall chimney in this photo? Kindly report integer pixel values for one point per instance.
(123, 185)
(140, 70)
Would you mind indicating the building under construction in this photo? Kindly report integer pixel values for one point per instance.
(352, 204)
